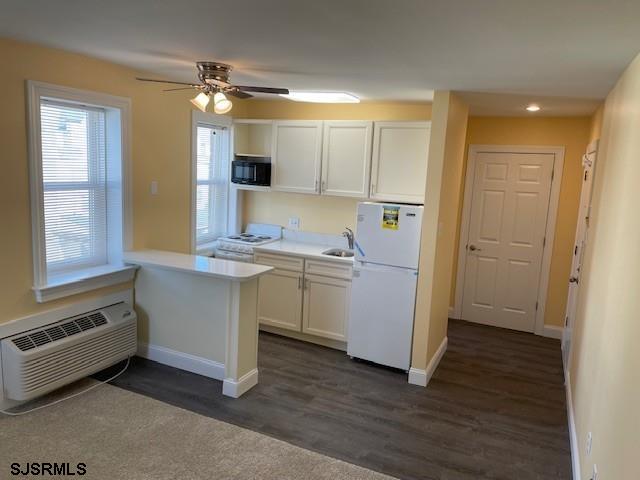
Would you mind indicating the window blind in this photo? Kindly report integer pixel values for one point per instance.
(211, 183)
(74, 185)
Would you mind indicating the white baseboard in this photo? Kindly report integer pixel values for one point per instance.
(422, 377)
(573, 434)
(244, 383)
(551, 331)
(183, 361)
(418, 377)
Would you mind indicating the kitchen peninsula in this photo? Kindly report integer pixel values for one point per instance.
(199, 314)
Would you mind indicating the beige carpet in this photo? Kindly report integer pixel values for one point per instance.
(123, 435)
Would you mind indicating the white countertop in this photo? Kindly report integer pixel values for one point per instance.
(196, 264)
(302, 249)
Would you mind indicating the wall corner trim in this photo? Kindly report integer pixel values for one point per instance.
(573, 434)
(422, 377)
(235, 389)
(552, 331)
(183, 361)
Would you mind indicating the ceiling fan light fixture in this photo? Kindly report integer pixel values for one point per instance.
(201, 101)
(221, 104)
(321, 97)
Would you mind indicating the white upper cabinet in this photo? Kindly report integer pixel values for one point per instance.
(399, 162)
(346, 158)
(297, 152)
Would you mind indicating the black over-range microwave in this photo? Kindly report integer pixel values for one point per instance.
(249, 170)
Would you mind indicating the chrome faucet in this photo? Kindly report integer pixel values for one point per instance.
(348, 233)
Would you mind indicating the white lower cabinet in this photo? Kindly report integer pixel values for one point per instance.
(300, 300)
(325, 310)
(280, 299)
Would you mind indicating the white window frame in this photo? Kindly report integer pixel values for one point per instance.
(219, 121)
(118, 126)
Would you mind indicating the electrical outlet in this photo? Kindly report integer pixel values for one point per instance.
(294, 223)
(589, 443)
(154, 187)
(594, 475)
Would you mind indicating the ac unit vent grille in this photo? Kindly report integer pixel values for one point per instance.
(58, 332)
(39, 338)
(24, 343)
(70, 328)
(55, 333)
(98, 319)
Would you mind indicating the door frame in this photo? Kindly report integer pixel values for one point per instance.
(567, 334)
(554, 200)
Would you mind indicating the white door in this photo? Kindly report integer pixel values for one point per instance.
(326, 307)
(280, 299)
(295, 161)
(388, 234)
(381, 314)
(399, 161)
(346, 158)
(588, 163)
(509, 205)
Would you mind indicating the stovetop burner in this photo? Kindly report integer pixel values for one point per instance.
(255, 235)
(249, 238)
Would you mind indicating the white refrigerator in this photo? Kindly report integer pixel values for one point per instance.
(383, 290)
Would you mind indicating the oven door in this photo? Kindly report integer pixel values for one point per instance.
(236, 256)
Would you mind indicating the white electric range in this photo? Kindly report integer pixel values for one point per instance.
(240, 247)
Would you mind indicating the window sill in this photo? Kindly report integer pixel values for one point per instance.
(68, 284)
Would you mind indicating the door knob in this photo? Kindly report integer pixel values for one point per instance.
(473, 248)
(574, 280)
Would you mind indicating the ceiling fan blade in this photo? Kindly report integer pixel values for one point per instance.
(166, 81)
(234, 92)
(279, 91)
(179, 88)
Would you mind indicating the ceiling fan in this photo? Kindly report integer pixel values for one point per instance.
(214, 80)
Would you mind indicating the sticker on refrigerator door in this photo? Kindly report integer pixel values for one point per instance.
(390, 217)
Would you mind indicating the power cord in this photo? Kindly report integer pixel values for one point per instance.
(17, 414)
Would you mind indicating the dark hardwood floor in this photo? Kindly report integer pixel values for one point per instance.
(495, 408)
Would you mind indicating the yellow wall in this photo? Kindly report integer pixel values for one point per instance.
(605, 355)
(161, 134)
(317, 213)
(572, 133)
(439, 225)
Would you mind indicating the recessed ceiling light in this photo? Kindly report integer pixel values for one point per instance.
(533, 107)
(322, 97)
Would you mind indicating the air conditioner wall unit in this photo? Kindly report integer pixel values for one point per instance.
(41, 360)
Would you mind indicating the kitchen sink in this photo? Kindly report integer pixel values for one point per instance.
(338, 252)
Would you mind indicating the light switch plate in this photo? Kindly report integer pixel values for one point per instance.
(154, 187)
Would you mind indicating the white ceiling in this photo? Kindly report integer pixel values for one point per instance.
(376, 49)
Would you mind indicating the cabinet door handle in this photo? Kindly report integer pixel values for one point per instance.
(373, 189)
